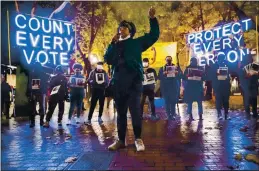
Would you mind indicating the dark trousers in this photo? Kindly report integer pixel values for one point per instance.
(222, 99)
(5, 106)
(151, 96)
(76, 101)
(97, 94)
(53, 101)
(129, 100)
(37, 98)
(253, 102)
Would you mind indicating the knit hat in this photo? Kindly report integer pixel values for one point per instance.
(130, 26)
(77, 66)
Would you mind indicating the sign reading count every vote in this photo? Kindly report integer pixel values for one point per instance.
(41, 39)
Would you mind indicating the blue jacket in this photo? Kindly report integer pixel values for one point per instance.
(193, 89)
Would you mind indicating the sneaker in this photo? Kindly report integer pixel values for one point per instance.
(100, 120)
(46, 125)
(88, 123)
(69, 122)
(77, 120)
(116, 145)
(154, 117)
(59, 123)
(220, 117)
(139, 145)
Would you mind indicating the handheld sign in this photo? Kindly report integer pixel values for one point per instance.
(55, 90)
(99, 78)
(222, 73)
(195, 74)
(149, 78)
(35, 84)
(170, 71)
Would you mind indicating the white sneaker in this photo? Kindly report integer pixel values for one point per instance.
(69, 122)
(139, 145)
(88, 122)
(77, 120)
(220, 118)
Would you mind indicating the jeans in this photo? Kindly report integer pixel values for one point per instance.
(200, 109)
(97, 94)
(222, 99)
(34, 99)
(151, 96)
(76, 101)
(170, 105)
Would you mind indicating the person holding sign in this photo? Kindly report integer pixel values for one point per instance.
(36, 92)
(170, 76)
(124, 54)
(77, 84)
(98, 79)
(219, 74)
(193, 91)
(59, 93)
(150, 78)
(250, 84)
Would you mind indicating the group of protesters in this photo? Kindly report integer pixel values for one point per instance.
(132, 80)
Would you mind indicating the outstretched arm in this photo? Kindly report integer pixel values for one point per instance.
(150, 38)
(60, 8)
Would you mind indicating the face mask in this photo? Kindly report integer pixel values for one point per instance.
(145, 64)
(99, 67)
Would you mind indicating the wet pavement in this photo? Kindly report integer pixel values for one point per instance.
(209, 144)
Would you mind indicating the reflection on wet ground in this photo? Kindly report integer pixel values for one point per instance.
(208, 144)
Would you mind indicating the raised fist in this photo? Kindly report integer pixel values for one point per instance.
(152, 12)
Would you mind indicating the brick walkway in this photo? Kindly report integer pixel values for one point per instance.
(170, 145)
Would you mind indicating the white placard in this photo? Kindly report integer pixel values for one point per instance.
(35, 84)
(99, 78)
(194, 74)
(55, 90)
(170, 71)
(77, 82)
(222, 73)
(149, 78)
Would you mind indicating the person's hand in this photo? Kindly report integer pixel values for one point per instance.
(115, 39)
(152, 12)
(176, 72)
(165, 72)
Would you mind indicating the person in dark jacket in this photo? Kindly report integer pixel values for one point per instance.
(124, 54)
(59, 93)
(98, 80)
(249, 83)
(6, 93)
(150, 78)
(170, 77)
(77, 84)
(36, 92)
(193, 90)
(219, 73)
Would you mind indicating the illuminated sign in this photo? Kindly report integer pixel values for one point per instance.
(44, 40)
(227, 40)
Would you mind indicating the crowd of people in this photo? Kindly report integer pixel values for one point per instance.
(132, 81)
